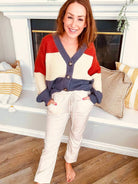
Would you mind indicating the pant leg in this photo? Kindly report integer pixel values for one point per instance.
(79, 116)
(57, 117)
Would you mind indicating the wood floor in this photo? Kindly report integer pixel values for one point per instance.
(19, 157)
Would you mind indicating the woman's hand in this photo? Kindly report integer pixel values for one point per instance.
(51, 101)
(86, 98)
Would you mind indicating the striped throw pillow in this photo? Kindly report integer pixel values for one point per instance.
(131, 100)
(10, 83)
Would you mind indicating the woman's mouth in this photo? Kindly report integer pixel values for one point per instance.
(72, 30)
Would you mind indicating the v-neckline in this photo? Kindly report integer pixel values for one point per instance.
(63, 52)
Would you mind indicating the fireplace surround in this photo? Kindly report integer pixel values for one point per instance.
(21, 12)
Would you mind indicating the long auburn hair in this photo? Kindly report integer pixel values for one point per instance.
(88, 35)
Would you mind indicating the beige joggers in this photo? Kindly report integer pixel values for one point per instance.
(69, 105)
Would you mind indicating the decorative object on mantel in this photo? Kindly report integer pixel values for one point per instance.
(122, 18)
(131, 100)
(115, 86)
(10, 82)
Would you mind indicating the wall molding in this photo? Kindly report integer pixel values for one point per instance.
(49, 8)
(85, 142)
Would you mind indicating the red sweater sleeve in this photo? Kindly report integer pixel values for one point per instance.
(95, 68)
(40, 59)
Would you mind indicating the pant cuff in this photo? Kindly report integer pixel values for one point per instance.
(68, 160)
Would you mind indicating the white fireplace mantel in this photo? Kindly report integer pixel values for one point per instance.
(21, 11)
(102, 9)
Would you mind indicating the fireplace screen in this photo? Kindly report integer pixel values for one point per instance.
(108, 42)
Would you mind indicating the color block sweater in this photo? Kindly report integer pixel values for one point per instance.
(80, 72)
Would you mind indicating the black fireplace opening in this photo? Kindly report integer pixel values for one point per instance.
(108, 43)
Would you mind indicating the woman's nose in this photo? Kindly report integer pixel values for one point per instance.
(74, 22)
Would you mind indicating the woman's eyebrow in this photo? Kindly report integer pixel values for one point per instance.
(73, 15)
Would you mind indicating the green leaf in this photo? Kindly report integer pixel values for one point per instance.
(122, 19)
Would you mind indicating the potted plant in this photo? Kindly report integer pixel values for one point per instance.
(122, 18)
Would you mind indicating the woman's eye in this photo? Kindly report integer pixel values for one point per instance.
(69, 17)
(81, 20)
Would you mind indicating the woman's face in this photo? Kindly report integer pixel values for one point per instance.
(74, 20)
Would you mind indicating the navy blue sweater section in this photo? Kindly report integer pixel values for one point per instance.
(69, 85)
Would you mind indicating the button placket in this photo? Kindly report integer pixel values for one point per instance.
(69, 70)
(68, 75)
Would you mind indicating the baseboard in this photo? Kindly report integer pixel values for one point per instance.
(86, 143)
(110, 148)
(22, 131)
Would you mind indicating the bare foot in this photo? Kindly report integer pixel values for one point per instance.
(70, 173)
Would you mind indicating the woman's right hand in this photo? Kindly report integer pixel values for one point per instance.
(51, 101)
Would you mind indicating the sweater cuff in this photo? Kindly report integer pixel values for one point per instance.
(96, 97)
(44, 96)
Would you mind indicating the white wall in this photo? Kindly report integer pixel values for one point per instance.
(130, 55)
(7, 51)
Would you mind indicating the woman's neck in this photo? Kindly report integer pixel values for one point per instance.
(69, 41)
(69, 44)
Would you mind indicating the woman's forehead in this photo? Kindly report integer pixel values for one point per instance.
(76, 9)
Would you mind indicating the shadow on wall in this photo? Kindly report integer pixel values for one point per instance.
(7, 51)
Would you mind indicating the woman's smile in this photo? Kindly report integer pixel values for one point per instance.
(72, 30)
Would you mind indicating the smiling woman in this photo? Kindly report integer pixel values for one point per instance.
(85, 19)
(74, 24)
(74, 20)
(68, 78)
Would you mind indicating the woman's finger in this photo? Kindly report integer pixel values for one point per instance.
(86, 98)
(51, 101)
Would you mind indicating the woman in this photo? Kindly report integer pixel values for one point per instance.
(68, 79)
